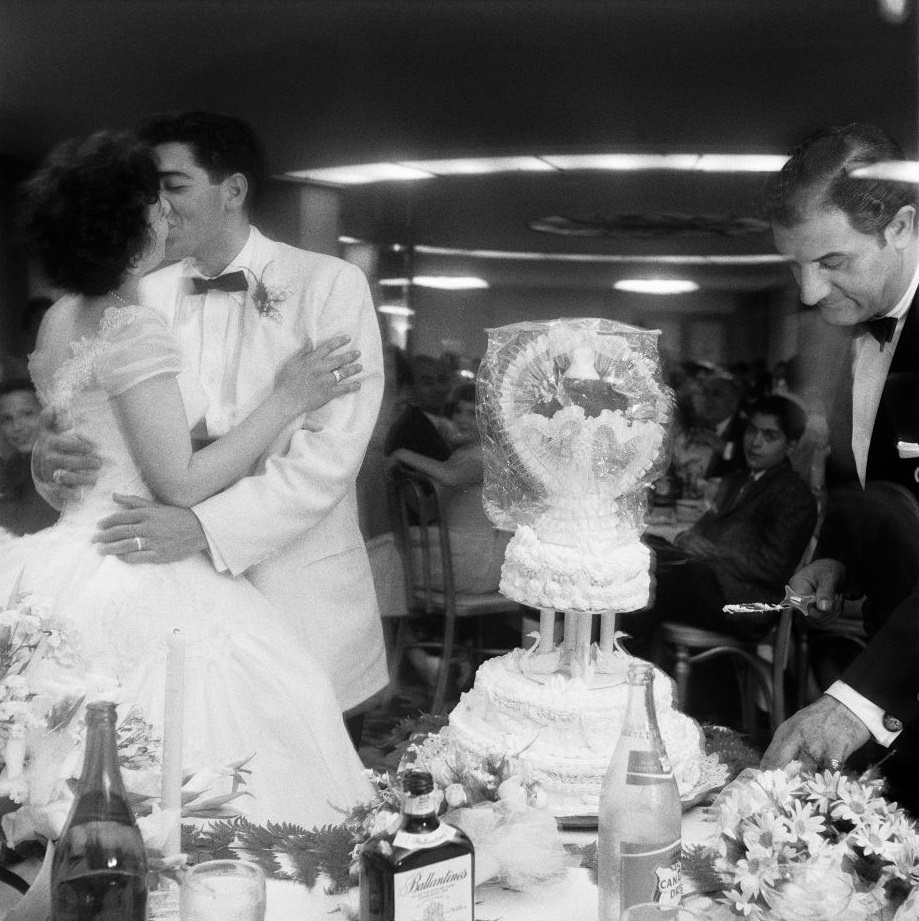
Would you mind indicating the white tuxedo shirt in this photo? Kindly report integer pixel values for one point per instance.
(291, 526)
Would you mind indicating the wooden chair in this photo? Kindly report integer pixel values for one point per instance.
(423, 539)
(760, 665)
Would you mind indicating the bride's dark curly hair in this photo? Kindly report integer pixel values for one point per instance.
(86, 210)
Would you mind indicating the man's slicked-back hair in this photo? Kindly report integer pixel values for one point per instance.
(818, 174)
(222, 144)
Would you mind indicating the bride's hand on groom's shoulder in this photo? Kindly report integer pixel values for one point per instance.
(145, 531)
(312, 377)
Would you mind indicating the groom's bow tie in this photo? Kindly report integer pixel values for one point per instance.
(882, 329)
(232, 281)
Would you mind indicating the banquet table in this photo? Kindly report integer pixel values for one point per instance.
(572, 897)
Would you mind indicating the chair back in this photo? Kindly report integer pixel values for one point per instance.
(423, 539)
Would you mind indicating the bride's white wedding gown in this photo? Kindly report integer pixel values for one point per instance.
(249, 686)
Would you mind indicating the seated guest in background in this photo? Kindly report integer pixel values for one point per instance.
(477, 547)
(722, 396)
(422, 427)
(22, 509)
(746, 546)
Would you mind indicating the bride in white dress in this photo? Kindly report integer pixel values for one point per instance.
(100, 224)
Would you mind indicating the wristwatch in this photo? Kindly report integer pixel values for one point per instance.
(891, 723)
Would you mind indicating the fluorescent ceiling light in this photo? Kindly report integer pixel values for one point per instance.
(894, 170)
(515, 255)
(656, 285)
(618, 162)
(396, 310)
(401, 170)
(446, 282)
(740, 163)
(361, 174)
(473, 166)
(450, 282)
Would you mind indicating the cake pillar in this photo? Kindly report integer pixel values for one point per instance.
(607, 631)
(546, 630)
(580, 655)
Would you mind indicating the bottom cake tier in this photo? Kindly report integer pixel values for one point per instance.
(563, 730)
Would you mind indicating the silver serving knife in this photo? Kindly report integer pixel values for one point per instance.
(791, 600)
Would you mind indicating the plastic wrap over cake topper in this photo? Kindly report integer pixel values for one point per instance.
(574, 416)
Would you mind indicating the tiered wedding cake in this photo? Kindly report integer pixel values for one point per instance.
(573, 416)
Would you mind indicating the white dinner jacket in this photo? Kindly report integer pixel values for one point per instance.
(291, 526)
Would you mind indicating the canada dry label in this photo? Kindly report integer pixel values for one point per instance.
(650, 873)
(438, 892)
(645, 768)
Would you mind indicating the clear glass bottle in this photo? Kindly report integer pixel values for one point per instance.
(426, 871)
(639, 842)
(99, 871)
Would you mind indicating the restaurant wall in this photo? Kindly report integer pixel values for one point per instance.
(718, 326)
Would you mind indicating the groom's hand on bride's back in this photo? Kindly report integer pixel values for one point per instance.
(144, 531)
(63, 462)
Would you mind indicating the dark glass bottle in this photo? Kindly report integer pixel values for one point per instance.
(426, 871)
(99, 871)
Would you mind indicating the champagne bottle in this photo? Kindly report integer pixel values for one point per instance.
(425, 871)
(639, 843)
(99, 871)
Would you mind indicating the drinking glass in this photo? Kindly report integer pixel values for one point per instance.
(223, 890)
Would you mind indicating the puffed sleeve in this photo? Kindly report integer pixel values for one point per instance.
(141, 347)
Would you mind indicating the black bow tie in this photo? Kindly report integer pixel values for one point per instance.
(881, 328)
(232, 281)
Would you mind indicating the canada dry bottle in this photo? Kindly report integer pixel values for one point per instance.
(639, 842)
(99, 871)
(425, 872)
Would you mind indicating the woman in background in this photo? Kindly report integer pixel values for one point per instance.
(22, 509)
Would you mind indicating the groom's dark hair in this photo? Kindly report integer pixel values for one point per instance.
(222, 145)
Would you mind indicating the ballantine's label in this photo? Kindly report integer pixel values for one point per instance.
(647, 767)
(650, 873)
(411, 841)
(438, 892)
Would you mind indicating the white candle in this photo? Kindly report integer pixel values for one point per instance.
(607, 631)
(171, 788)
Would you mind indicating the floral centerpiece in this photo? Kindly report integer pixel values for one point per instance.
(795, 845)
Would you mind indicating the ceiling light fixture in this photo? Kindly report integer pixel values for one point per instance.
(656, 285)
(892, 170)
(599, 258)
(444, 282)
(402, 170)
(396, 310)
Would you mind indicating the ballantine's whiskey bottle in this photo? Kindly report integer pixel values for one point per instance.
(425, 872)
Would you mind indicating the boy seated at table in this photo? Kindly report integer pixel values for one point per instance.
(745, 547)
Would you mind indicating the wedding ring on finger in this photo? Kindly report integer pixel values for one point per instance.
(835, 764)
(139, 543)
(58, 476)
(338, 375)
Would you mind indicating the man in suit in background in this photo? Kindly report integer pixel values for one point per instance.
(746, 546)
(422, 426)
(239, 305)
(853, 249)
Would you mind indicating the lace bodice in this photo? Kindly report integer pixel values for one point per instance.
(82, 376)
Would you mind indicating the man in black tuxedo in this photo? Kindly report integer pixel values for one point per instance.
(853, 249)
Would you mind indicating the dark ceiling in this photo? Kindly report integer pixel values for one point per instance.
(338, 81)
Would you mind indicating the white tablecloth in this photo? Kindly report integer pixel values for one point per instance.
(571, 898)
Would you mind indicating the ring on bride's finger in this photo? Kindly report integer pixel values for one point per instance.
(835, 764)
(139, 543)
(58, 475)
(337, 374)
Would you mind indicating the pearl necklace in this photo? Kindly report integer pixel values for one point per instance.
(119, 298)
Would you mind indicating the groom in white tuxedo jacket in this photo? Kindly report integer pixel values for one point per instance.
(239, 305)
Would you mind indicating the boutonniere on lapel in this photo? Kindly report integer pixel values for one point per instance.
(266, 297)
